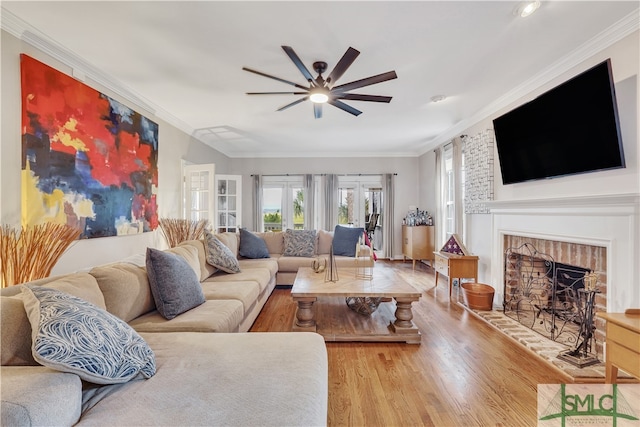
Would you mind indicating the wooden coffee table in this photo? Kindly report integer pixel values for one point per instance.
(322, 307)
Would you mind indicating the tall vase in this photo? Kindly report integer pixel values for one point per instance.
(331, 272)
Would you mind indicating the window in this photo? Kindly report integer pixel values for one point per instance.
(282, 203)
(452, 191)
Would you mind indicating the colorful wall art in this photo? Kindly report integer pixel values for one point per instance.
(87, 160)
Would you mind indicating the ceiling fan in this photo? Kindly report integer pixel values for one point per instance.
(323, 90)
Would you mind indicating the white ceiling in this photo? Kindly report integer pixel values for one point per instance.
(184, 60)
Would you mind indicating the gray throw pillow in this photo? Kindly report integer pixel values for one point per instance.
(72, 335)
(299, 243)
(218, 255)
(345, 240)
(174, 284)
(252, 246)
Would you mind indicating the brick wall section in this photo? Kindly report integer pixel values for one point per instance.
(581, 255)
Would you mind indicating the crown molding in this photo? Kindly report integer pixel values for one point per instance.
(32, 36)
(29, 34)
(601, 41)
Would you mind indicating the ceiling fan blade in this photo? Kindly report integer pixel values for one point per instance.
(277, 93)
(389, 75)
(359, 97)
(274, 78)
(345, 62)
(341, 105)
(296, 60)
(293, 103)
(317, 110)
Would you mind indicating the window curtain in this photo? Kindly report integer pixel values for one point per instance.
(458, 186)
(330, 202)
(257, 203)
(309, 202)
(388, 216)
(438, 229)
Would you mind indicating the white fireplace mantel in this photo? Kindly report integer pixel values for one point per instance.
(611, 221)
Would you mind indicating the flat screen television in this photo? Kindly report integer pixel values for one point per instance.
(571, 129)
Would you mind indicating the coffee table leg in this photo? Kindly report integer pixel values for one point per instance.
(403, 314)
(305, 315)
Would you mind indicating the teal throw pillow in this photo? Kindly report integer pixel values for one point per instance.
(72, 335)
(252, 246)
(345, 240)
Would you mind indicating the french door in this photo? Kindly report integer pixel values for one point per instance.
(360, 204)
(199, 192)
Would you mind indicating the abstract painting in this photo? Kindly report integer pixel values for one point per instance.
(88, 161)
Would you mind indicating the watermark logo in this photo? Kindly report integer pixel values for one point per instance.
(616, 405)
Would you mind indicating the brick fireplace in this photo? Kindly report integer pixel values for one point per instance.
(552, 307)
(599, 233)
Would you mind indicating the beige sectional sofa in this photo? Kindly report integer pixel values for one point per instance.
(201, 378)
(288, 265)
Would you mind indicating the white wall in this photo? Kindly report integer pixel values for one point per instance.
(406, 179)
(626, 68)
(174, 145)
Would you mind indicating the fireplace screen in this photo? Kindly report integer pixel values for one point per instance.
(547, 296)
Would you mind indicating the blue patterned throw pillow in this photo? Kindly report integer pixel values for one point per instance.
(218, 255)
(299, 243)
(72, 335)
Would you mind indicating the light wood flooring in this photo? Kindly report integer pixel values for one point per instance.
(465, 373)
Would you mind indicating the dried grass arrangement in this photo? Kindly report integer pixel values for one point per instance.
(31, 252)
(177, 230)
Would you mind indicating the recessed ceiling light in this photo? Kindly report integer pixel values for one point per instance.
(438, 98)
(527, 8)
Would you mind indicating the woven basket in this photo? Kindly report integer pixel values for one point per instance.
(363, 305)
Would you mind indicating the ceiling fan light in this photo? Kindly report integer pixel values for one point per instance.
(319, 97)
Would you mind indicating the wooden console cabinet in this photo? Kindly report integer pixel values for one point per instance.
(418, 243)
(623, 344)
(455, 266)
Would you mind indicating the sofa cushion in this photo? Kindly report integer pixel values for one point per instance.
(126, 290)
(39, 396)
(219, 255)
(15, 348)
(73, 335)
(293, 263)
(190, 254)
(325, 240)
(252, 246)
(299, 243)
(244, 379)
(260, 275)
(206, 269)
(274, 241)
(174, 284)
(212, 316)
(230, 240)
(345, 240)
(270, 264)
(245, 291)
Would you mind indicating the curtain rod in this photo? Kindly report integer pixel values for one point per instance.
(325, 174)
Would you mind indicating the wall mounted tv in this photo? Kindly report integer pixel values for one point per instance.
(571, 129)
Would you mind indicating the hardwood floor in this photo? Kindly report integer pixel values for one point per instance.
(464, 373)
